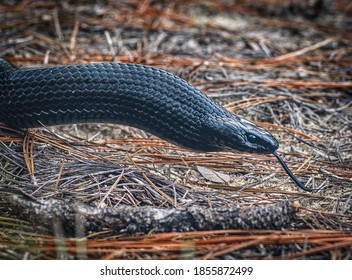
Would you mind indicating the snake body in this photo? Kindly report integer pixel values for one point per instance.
(136, 95)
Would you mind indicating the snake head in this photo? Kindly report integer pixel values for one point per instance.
(234, 133)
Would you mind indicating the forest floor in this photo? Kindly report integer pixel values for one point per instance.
(69, 191)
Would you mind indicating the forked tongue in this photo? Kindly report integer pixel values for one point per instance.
(288, 171)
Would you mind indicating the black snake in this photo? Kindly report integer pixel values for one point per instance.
(136, 95)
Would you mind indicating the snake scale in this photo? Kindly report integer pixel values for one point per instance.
(130, 94)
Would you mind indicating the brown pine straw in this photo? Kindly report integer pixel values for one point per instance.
(172, 202)
(202, 245)
(309, 114)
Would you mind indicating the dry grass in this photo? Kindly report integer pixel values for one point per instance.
(286, 70)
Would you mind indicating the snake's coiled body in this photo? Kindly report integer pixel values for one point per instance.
(135, 95)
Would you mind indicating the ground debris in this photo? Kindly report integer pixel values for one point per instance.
(143, 220)
(285, 65)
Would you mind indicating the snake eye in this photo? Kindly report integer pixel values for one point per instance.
(252, 138)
